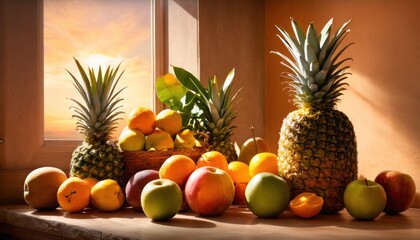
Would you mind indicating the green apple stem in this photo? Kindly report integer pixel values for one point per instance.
(366, 182)
(253, 137)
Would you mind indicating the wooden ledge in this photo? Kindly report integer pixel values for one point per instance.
(236, 223)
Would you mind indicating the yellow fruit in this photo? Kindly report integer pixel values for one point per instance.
(213, 159)
(177, 168)
(159, 140)
(41, 185)
(142, 119)
(73, 195)
(185, 140)
(250, 147)
(263, 162)
(306, 205)
(107, 195)
(169, 121)
(239, 172)
(131, 140)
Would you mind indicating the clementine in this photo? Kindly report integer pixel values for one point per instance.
(107, 195)
(263, 162)
(177, 168)
(306, 205)
(73, 195)
(213, 159)
(239, 171)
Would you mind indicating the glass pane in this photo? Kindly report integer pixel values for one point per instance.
(96, 32)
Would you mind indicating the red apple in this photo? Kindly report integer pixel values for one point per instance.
(209, 191)
(136, 184)
(400, 190)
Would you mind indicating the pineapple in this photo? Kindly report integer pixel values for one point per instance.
(317, 146)
(208, 110)
(98, 156)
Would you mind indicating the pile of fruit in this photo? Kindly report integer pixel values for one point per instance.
(150, 132)
(210, 186)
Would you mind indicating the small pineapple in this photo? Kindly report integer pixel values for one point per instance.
(203, 109)
(98, 156)
(317, 147)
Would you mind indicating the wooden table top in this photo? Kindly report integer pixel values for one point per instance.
(235, 223)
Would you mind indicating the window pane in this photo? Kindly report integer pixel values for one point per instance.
(96, 32)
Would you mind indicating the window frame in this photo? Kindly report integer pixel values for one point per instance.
(27, 149)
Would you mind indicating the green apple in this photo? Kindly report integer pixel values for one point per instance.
(161, 199)
(267, 195)
(364, 199)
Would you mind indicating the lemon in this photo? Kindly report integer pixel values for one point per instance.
(131, 140)
(185, 139)
(159, 140)
(169, 121)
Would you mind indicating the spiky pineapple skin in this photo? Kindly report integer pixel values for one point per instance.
(226, 148)
(318, 153)
(97, 159)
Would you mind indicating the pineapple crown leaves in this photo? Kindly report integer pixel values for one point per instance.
(317, 76)
(97, 115)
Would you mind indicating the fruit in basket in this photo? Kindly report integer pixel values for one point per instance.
(263, 162)
(135, 186)
(209, 191)
(364, 199)
(73, 195)
(40, 187)
(142, 119)
(185, 140)
(251, 147)
(131, 140)
(239, 172)
(209, 110)
(169, 121)
(161, 199)
(267, 195)
(306, 205)
(177, 168)
(98, 156)
(400, 190)
(159, 140)
(213, 159)
(317, 145)
(107, 195)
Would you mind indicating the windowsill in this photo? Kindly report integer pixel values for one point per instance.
(236, 223)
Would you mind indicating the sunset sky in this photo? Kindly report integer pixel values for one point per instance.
(95, 32)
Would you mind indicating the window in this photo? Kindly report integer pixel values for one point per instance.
(96, 32)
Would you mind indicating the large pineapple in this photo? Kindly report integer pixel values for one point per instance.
(317, 146)
(203, 109)
(98, 156)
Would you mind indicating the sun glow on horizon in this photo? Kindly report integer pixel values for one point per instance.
(99, 33)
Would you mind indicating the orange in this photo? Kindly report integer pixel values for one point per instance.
(213, 159)
(177, 168)
(239, 171)
(142, 119)
(91, 182)
(107, 195)
(263, 162)
(240, 198)
(306, 205)
(73, 195)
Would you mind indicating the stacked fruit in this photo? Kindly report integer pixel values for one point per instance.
(150, 132)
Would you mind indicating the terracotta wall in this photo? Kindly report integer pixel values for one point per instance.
(383, 98)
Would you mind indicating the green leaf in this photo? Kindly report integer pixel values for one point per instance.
(170, 91)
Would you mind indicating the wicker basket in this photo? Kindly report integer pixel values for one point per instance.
(140, 160)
